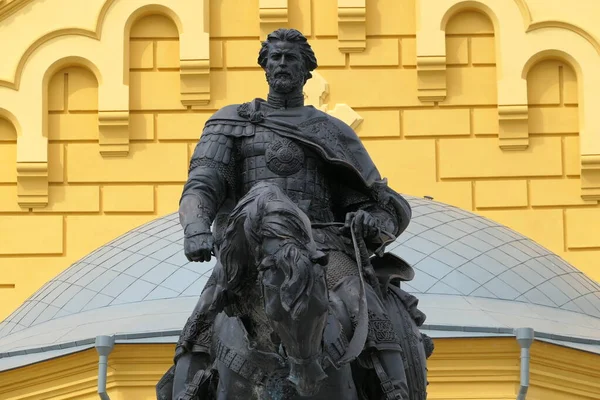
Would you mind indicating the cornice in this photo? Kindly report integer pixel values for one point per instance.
(558, 357)
(9, 7)
(456, 360)
(127, 363)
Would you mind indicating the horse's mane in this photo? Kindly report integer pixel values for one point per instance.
(265, 212)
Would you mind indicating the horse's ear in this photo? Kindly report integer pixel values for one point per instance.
(318, 257)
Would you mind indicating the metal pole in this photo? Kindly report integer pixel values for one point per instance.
(104, 345)
(525, 338)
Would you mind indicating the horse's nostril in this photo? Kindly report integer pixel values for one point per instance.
(307, 378)
(305, 389)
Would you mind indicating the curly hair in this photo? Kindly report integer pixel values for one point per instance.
(292, 36)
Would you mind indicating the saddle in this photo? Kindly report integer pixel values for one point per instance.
(391, 268)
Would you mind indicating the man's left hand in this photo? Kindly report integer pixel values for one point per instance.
(368, 223)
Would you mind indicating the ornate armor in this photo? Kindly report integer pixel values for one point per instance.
(266, 156)
(232, 156)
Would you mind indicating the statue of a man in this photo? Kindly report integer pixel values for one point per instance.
(320, 163)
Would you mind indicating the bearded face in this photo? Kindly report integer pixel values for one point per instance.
(285, 69)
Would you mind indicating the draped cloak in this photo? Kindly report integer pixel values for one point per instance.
(332, 139)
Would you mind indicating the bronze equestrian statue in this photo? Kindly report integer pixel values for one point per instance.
(303, 301)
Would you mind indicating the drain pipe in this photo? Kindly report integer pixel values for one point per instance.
(525, 338)
(104, 345)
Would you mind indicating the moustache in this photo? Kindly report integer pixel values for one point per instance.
(281, 73)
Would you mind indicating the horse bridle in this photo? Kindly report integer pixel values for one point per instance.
(359, 338)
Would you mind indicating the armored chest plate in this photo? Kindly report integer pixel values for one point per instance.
(267, 156)
(284, 157)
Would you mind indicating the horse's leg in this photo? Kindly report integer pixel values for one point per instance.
(402, 309)
(187, 366)
(232, 386)
(383, 350)
(338, 385)
(192, 351)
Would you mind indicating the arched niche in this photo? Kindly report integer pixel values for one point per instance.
(175, 50)
(470, 59)
(553, 103)
(478, 16)
(154, 64)
(101, 51)
(552, 81)
(435, 52)
(139, 25)
(104, 48)
(8, 153)
(9, 126)
(72, 104)
(8, 133)
(567, 64)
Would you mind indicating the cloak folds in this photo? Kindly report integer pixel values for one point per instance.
(335, 141)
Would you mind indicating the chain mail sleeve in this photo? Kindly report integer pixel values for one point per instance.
(211, 178)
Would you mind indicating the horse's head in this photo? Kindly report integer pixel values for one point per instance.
(278, 241)
(295, 296)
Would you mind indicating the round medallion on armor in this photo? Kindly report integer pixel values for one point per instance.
(284, 157)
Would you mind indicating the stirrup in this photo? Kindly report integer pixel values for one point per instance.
(387, 386)
(192, 388)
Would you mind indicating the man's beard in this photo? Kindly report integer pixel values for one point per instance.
(285, 84)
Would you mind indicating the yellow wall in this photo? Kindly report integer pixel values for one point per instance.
(71, 102)
(460, 369)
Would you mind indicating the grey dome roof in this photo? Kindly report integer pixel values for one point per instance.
(472, 275)
(457, 252)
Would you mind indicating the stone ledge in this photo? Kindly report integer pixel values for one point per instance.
(195, 82)
(273, 14)
(590, 177)
(431, 76)
(352, 25)
(32, 184)
(514, 127)
(113, 133)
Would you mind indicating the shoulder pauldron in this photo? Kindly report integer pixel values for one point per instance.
(214, 147)
(229, 128)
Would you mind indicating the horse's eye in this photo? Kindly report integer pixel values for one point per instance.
(267, 263)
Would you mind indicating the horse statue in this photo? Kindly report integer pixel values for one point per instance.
(304, 301)
(280, 331)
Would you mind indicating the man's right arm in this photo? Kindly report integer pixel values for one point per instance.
(211, 177)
